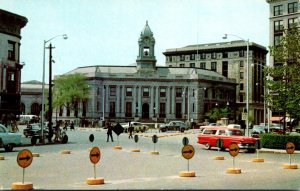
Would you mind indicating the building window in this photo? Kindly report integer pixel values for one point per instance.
(278, 10)
(192, 65)
(192, 57)
(278, 25)
(241, 75)
(61, 110)
(112, 109)
(202, 65)
(241, 86)
(162, 92)
(128, 112)
(146, 51)
(202, 56)
(178, 92)
(241, 98)
(98, 106)
(170, 58)
(242, 53)
(225, 54)
(214, 66)
(292, 23)
(112, 91)
(213, 55)
(277, 39)
(241, 64)
(182, 58)
(145, 92)
(128, 92)
(162, 110)
(98, 91)
(181, 65)
(225, 68)
(213, 94)
(11, 50)
(206, 93)
(292, 7)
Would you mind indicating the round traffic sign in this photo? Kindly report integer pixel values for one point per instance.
(290, 148)
(219, 143)
(24, 158)
(154, 138)
(95, 155)
(188, 151)
(234, 149)
(91, 138)
(258, 144)
(136, 138)
(185, 141)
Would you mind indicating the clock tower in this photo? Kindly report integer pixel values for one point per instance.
(146, 58)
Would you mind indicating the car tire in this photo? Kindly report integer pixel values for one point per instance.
(207, 146)
(8, 148)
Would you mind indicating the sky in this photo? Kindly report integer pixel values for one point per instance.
(106, 32)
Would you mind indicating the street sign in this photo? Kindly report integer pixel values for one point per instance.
(95, 155)
(219, 143)
(118, 129)
(185, 141)
(136, 138)
(188, 151)
(258, 144)
(244, 116)
(154, 138)
(91, 138)
(290, 148)
(234, 149)
(24, 158)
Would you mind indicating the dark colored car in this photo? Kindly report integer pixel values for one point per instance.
(35, 130)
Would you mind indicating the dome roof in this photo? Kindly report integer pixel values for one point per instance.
(147, 31)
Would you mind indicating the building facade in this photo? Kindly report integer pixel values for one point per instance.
(10, 66)
(229, 59)
(146, 92)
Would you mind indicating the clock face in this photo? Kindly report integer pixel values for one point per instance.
(147, 40)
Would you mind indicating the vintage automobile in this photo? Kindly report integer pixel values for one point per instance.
(35, 130)
(137, 127)
(210, 135)
(174, 125)
(8, 140)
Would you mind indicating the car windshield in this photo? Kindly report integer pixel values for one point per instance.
(258, 128)
(234, 133)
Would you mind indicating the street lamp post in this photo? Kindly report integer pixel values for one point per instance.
(43, 85)
(247, 89)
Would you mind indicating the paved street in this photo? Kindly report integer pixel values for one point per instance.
(123, 169)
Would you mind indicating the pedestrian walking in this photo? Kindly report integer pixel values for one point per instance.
(130, 129)
(109, 131)
(72, 126)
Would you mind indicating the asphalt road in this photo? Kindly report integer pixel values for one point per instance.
(123, 169)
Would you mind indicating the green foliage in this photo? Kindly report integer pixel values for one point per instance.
(217, 113)
(284, 84)
(69, 90)
(277, 141)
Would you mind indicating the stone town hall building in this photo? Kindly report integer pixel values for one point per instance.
(147, 92)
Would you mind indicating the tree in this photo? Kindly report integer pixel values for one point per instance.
(69, 90)
(217, 113)
(284, 84)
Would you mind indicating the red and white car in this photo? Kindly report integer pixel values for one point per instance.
(209, 136)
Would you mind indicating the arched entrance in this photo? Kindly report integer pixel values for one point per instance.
(145, 111)
(35, 109)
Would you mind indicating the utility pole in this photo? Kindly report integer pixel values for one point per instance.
(50, 93)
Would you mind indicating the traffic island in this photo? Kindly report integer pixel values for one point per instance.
(2, 157)
(154, 153)
(290, 166)
(117, 147)
(187, 174)
(94, 181)
(233, 171)
(218, 158)
(258, 160)
(22, 186)
(135, 150)
(65, 152)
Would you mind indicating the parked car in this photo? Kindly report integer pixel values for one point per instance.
(8, 140)
(234, 126)
(137, 127)
(35, 130)
(210, 135)
(257, 130)
(173, 125)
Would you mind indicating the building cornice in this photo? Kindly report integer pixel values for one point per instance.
(11, 23)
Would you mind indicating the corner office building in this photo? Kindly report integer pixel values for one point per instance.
(228, 59)
(146, 92)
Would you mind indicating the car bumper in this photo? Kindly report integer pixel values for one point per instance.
(246, 146)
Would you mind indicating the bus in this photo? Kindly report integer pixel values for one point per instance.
(26, 119)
